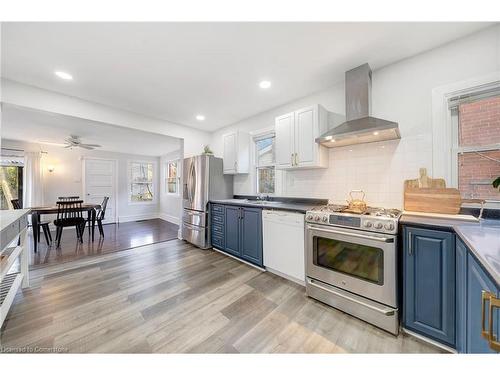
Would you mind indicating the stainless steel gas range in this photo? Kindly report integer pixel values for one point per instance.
(351, 262)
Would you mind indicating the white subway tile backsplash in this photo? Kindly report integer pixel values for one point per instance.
(378, 168)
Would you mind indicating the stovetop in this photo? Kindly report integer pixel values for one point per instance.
(371, 211)
(373, 219)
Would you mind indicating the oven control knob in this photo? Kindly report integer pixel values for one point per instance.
(325, 219)
(309, 217)
(378, 225)
(389, 226)
(368, 224)
(317, 218)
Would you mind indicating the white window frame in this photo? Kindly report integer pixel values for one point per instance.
(445, 148)
(129, 182)
(176, 161)
(278, 175)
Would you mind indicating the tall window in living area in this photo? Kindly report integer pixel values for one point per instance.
(11, 184)
(476, 143)
(172, 176)
(265, 164)
(141, 181)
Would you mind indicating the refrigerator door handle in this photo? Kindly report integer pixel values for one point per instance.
(188, 182)
(193, 182)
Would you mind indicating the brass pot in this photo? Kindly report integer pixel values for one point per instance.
(356, 205)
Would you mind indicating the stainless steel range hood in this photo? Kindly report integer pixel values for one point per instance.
(360, 126)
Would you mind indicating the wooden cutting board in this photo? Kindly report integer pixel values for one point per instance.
(425, 181)
(434, 200)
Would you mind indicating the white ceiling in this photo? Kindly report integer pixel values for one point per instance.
(28, 125)
(174, 71)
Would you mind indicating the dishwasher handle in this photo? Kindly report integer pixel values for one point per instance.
(283, 217)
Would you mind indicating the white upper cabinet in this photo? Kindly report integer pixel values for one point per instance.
(284, 129)
(295, 138)
(236, 156)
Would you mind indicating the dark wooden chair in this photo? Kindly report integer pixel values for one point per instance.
(100, 215)
(70, 198)
(44, 225)
(69, 214)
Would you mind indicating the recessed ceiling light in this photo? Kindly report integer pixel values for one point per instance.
(64, 75)
(264, 84)
(200, 117)
(375, 133)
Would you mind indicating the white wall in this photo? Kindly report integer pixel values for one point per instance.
(401, 92)
(66, 179)
(171, 204)
(32, 97)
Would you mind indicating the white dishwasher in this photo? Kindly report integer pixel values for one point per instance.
(283, 238)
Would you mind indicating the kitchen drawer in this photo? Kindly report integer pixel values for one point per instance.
(217, 241)
(219, 229)
(217, 219)
(217, 208)
(196, 218)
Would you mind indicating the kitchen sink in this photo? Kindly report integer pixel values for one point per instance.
(258, 203)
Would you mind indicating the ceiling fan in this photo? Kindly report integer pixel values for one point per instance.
(75, 141)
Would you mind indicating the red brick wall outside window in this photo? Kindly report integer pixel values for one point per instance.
(479, 125)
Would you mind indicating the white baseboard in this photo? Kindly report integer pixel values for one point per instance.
(169, 218)
(128, 218)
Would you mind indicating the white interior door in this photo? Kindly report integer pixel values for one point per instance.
(100, 180)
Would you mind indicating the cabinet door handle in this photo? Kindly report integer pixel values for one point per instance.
(291, 158)
(296, 159)
(494, 304)
(410, 244)
(235, 165)
(493, 341)
(485, 296)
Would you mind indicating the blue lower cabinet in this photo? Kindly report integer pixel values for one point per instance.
(240, 234)
(251, 235)
(429, 283)
(477, 282)
(232, 230)
(461, 252)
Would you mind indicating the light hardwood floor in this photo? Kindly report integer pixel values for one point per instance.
(172, 297)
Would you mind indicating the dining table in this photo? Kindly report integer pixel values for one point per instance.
(37, 212)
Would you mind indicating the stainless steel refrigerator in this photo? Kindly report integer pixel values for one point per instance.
(203, 180)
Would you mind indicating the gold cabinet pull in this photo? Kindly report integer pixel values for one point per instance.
(296, 159)
(485, 296)
(492, 340)
(494, 304)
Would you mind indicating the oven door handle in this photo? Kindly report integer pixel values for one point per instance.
(357, 235)
(387, 312)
